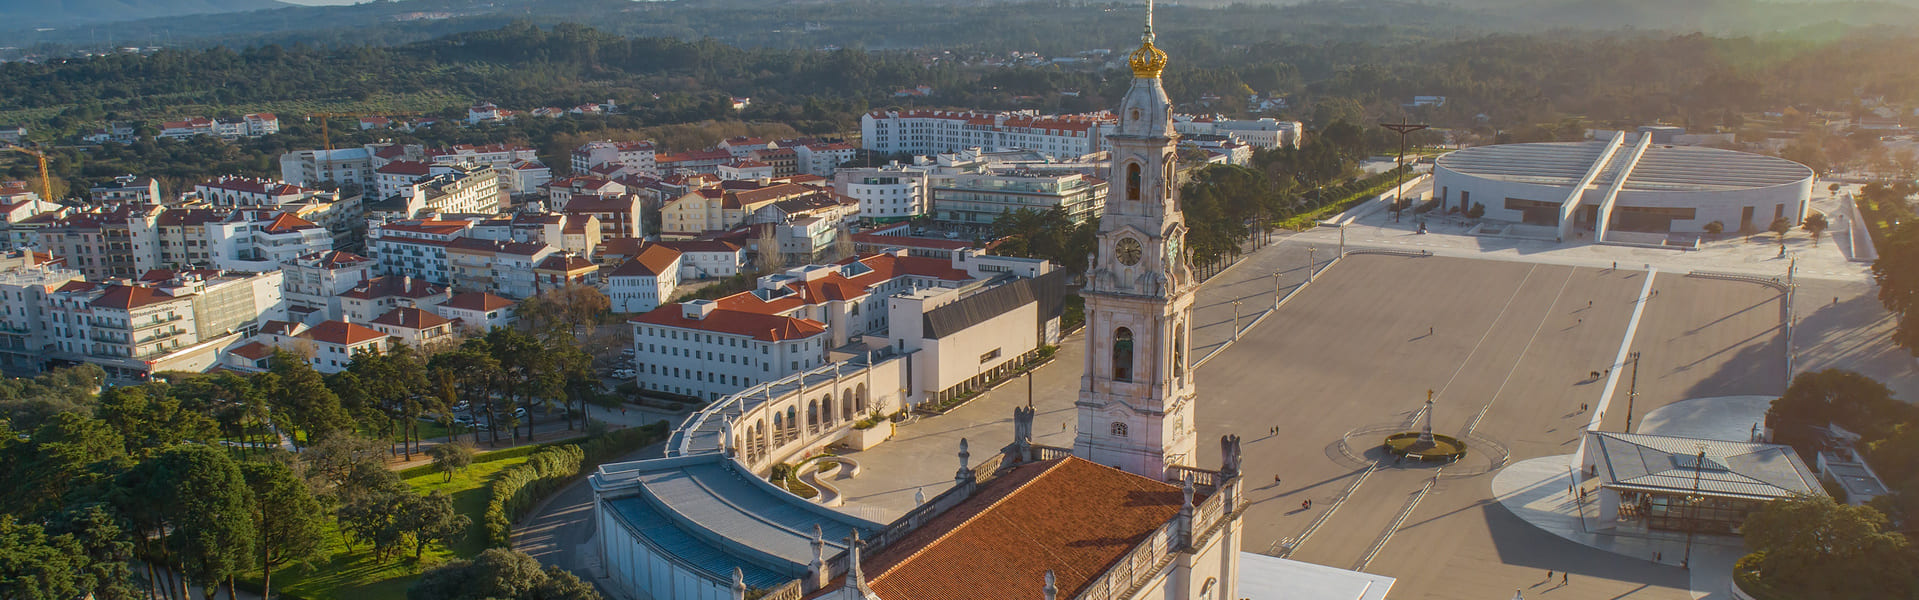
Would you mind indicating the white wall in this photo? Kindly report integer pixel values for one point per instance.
(1709, 206)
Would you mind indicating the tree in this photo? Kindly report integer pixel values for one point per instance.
(1815, 224)
(1817, 399)
(194, 501)
(500, 574)
(66, 453)
(371, 514)
(1478, 210)
(560, 313)
(1715, 228)
(148, 419)
(36, 566)
(1815, 547)
(766, 249)
(302, 400)
(430, 518)
(1780, 226)
(287, 519)
(451, 458)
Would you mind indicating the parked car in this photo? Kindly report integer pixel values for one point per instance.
(624, 374)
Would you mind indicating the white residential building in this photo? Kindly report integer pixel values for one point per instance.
(477, 312)
(414, 327)
(414, 248)
(822, 159)
(525, 177)
(701, 350)
(634, 155)
(645, 281)
(246, 192)
(26, 279)
(333, 344)
(376, 296)
(342, 165)
(315, 281)
(126, 189)
(169, 322)
(889, 193)
(459, 189)
(933, 131)
(707, 259)
(979, 198)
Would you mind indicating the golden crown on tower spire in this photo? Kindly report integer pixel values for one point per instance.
(1148, 60)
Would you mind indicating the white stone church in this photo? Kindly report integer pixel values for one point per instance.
(1123, 514)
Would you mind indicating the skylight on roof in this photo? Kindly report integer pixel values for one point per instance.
(1691, 461)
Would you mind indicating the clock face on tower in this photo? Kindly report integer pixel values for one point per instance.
(1172, 249)
(1127, 251)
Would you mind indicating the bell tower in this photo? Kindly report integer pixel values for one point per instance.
(1136, 398)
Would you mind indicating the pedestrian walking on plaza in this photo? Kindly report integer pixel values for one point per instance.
(1549, 574)
(1563, 578)
(1429, 330)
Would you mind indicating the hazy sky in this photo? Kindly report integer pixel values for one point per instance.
(323, 2)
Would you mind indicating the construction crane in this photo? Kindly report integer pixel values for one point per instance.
(46, 183)
(326, 140)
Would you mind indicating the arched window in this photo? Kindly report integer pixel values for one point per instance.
(1179, 350)
(813, 415)
(1135, 115)
(846, 405)
(1132, 181)
(1123, 354)
(1119, 429)
(859, 398)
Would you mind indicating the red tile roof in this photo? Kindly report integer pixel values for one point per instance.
(652, 261)
(254, 351)
(283, 223)
(476, 301)
(129, 297)
(387, 287)
(342, 333)
(763, 327)
(334, 259)
(1070, 516)
(566, 262)
(411, 318)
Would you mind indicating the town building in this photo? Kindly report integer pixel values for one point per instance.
(645, 281)
(499, 267)
(107, 241)
(562, 269)
(618, 216)
(979, 198)
(167, 321)
(26, 280)
(414, 248)
(340, 165)
(934, 131)
(126, 189)
(715, 209)
(635, 155)
(421, 329)
(315, 281)
(698, 349)
(458, 189)
(331, 345)
(477, 312)
(1623, 188)
(246, 192)
(708, 259)
(374, 297)
(885, 194)
(823, 158)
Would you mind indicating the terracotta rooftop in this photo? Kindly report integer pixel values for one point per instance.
(566, 262)
(653, 260)
(334, 259)
(129, 297)
(1070, 516)
(411, 318)
(283, 223)
(476, 301)
(390, 286)
(254, 351)
(763, 327)
(342, 333)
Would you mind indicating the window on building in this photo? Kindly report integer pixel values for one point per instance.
(1119, 429)
(1123, 355)
(1132, 181)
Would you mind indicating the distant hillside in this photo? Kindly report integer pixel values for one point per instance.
(53, 13)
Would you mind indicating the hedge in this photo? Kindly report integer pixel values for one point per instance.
(517, 490)
(1348, 194)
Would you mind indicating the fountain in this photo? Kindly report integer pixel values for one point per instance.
(1424, 445)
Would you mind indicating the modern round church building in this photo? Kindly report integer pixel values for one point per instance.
(1624, 188)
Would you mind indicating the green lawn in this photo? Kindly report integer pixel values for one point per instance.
(351, 574)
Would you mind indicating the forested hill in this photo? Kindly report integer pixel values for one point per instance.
(964, 25)
(56, 13)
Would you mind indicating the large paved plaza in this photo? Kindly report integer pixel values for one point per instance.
(1507, 347)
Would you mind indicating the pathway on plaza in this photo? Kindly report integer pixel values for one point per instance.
(921, 457)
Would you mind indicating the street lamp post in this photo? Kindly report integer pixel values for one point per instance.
(1342, 240)
(1311, 262)
(1276, 290)
(1692, 507)
(1403, 128)
(1632, 390)
(1235, 319)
